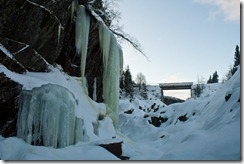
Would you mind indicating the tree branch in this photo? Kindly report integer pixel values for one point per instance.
(135, 45)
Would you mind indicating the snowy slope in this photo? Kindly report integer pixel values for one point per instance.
(211, 130)
(206, 128)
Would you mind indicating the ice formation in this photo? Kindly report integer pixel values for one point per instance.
(112, 59)
(82, 35)
(47, 116)
(113, 64)
(47, 113)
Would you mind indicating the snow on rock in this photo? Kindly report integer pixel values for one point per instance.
(13, 148)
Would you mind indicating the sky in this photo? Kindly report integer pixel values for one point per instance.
(184, 40)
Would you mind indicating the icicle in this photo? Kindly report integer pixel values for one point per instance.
(72, 9)
(47, 116)
(113, 64)
(81, 36)
(79, 130)
(104, 37)
(59, 32)
(95, 89)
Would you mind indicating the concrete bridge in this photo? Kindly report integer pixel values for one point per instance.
(174, 86)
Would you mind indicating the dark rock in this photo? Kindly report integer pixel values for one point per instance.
(124, 157)
(163, 119)
(227, 97)
(153, 105)
(156, 121)
(146, 115)
(155, 110)
(27, 23)
(11, 64)
(9, 92)
(115, 148)
(171, 100)
(183, 118)
(130, 111)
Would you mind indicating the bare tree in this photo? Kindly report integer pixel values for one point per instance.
(140, 79)
(106, 9)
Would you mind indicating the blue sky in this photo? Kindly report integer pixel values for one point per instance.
(183, 39)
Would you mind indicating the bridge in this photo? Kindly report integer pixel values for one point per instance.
(174, 86)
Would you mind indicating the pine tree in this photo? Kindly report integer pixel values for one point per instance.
(209, 80)
(122, 81)
(237, 60)
(215, 78)
(128, 83)
(237, 56)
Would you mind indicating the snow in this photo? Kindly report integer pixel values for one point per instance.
(16, 149)
(5, 51)
(211, 132)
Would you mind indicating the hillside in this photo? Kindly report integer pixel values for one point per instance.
(199, 129)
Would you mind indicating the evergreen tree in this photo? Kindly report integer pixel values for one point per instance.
(209, 80)
(144, 91)
(122, 81)
(128, 83)
(237, 56)
(237, 60)
(215, 78)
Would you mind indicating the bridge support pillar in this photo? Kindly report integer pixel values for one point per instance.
(162, 95)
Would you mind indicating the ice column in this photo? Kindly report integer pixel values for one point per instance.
(47, 117)
(82, 35)
(113, 64)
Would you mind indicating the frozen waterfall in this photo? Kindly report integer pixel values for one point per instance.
(112, 60)
(47, 117)
(113, 64)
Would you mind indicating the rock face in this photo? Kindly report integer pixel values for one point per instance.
(9, 92)
(39, 33)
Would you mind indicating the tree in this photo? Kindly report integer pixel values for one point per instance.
(140, 79)
(197, 90)
(236, 60)
(122, 81)
(144, 91)
(128, 83)
(237, 56)
(233, 68)
(209, 80)
(215, 78)
(106, 9)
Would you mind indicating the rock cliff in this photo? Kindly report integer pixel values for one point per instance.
(40, 33)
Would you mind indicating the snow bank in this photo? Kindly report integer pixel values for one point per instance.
(206, 128)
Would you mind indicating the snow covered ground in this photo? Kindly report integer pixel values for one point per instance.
(205, 128)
